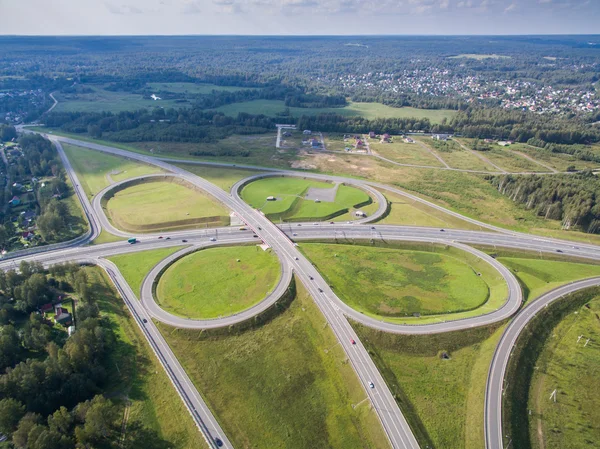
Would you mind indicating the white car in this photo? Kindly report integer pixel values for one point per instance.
(212, 239)
(371, 385)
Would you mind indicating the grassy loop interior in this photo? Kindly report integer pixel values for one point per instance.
(215, 282)
(409, 282)
(289, 201)
(162, 203)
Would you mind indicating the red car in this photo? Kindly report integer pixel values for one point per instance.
(353, 342)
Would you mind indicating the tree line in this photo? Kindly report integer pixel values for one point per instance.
(572, 199)
(51, 386)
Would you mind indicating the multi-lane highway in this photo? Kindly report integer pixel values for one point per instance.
(282, 240)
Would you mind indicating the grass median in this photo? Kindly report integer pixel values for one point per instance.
(138, 377)
(135, 266)
(97, 170)
(286, 384)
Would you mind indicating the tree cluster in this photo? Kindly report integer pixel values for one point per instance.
(51, 385)
(572, 199)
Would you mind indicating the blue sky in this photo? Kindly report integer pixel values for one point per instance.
(113, 17)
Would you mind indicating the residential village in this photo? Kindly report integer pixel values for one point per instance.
(442, 82)
(19, 207)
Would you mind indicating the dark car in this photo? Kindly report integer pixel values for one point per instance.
(160, 237)
(255, 236)
(559, 250)
(145, 320)
(320, 290)
(168, 238)
(184, 241)
(442, 230)
(311, 278)
(219, 442)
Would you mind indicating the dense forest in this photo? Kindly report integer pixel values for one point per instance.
(572, 199)
(51, 386)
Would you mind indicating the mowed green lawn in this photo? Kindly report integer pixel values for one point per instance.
(444, 399)
(540, 276)
(290, 204)
(284, 385)
(137, 375)
(274, 108)
(135, 266)
(393, 282)
(95, 169)
(565, 365)
(153, 206)
(218, 281)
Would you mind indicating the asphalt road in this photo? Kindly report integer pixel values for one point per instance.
(291, 259)
(495, 383)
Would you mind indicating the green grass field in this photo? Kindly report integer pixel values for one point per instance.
(164, 206)
(138, 376)
(370, 111)
(559, 161)
(284, 385)
(260, 147)
(444, 399)
(567, 366)
(135, 266)
(404, 211)
(404, 153)
(539, 276)
(390, 282)
(217, 282)
(101, 100)
(95, 169)
(290, 204)
(455, 156)
(193, 88)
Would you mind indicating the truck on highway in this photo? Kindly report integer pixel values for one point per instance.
(132, 240)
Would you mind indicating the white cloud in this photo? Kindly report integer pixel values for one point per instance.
(510, 7)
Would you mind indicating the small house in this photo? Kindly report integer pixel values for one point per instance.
(358, 143)
(443, 137)
(314, 143)
(46, 307)
(15, 201)
(385, 138)
(504, 143)
(271, 198)
(307, 132)
(372, 135)
(27, 235)
(17, 185)
(360, 213)
(409, 140)
(63, 318)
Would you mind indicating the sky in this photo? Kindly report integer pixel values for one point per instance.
(298, 17)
